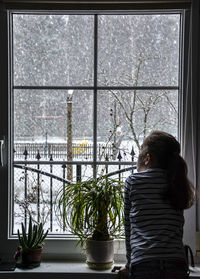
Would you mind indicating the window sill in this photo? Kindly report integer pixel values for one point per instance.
(71, 270)
(59, 270)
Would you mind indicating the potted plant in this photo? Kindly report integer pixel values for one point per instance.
(93, 211)
(31, 245)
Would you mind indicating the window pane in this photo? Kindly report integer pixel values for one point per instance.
(126, 117)
(53, 122)
(53, 49)
(138, 50)
(38, 194)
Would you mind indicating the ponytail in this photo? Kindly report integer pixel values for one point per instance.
(165, 150)
(181, 191)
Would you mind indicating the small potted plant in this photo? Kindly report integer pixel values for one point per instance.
(93, 211)
(31, 245)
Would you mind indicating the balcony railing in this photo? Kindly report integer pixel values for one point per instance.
(37, 182)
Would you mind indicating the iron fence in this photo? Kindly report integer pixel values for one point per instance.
(59, 150)
(36, 184)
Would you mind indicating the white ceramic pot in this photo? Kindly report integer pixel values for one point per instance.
(100, 254)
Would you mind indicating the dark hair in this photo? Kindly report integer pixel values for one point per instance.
(165, 152)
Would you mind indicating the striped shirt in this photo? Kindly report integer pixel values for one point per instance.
(153, 228)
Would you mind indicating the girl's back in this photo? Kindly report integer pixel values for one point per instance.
(156, 228)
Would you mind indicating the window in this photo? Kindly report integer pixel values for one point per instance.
(187, 102)
(86, 90)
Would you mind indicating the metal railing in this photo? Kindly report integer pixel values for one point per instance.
(59, 150)
(39, 183)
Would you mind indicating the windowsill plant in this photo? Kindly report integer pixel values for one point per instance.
(93, 211)
(29, 251)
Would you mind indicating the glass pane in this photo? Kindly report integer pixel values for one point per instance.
(138, 50)
(53, 49)
(55, 123)
(126, 117)
(38, 194)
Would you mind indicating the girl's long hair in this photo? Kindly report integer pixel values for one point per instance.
(165, 151)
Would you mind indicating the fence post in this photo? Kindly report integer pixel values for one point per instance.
(78, 173)
(132, 156)
(49, 150)
(25, 187)
(119, 157)
(64, 206)
(51, 194)
(38, 157)
(107, 159)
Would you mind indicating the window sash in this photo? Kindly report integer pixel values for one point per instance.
(95, 89)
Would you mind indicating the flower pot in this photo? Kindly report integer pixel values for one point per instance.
(32, 257)
(100, 254)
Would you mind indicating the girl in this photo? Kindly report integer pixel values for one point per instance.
(155, 198)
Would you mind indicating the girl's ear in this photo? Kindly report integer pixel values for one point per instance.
(147, 159)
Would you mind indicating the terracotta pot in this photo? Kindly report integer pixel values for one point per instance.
(30, 257)
(100, 254)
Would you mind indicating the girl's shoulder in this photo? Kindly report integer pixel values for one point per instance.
(146, 175)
